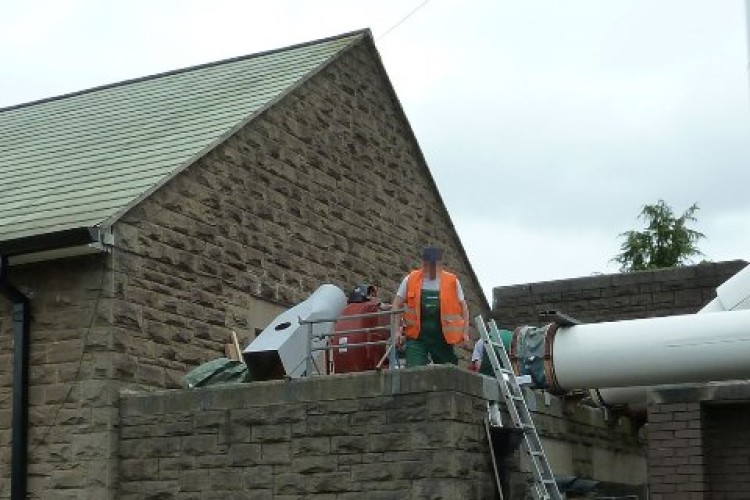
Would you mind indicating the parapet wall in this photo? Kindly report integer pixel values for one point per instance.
(612, 297)
(377, 435)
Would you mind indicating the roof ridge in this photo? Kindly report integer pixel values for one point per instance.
(365, 31)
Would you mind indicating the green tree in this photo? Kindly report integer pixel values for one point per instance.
(665, 242)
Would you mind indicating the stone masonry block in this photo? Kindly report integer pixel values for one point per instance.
(257, 478)
(138, 469)
(324, 425)
(289, 484)
(225, 480)
(267, 415)
(348, 444)
(271, 433)
(313, 464)
(311, 445)
(245, 454)
(332, 482)
(200, 444)
(276, 453)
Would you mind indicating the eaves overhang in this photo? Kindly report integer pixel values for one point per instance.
(54, 245)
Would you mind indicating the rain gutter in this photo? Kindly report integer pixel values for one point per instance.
(20, 419)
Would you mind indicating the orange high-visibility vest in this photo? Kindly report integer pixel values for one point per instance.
(451, 312)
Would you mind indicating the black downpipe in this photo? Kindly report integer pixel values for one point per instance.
(20, 423)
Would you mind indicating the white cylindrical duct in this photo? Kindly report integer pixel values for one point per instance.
(733, 294)
(653, 351)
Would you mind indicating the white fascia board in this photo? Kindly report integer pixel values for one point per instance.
(57, 253)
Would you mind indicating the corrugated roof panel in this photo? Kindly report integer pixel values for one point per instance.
(76, 160)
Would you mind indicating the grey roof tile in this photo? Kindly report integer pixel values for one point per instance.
(78, 160)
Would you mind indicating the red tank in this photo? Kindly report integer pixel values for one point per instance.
(357, 359)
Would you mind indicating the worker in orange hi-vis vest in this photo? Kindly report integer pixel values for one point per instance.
(435, 314)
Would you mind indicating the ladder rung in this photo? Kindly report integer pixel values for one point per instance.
(544, 484)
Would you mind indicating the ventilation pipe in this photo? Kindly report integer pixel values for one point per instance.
(282, 347)
(20, 419)
(732, 295)
(653, 351)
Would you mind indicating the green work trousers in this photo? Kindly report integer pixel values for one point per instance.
(419, 351)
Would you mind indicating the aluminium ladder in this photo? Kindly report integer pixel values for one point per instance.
(545, 487)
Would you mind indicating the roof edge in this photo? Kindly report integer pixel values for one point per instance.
(182, 70)
(425, 165)
(48, 241)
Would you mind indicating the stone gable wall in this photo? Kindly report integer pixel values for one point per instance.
(592, 299)
(327, 186)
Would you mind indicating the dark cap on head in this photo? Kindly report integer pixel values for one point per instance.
(431, 254)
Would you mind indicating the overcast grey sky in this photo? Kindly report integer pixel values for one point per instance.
(546, 124)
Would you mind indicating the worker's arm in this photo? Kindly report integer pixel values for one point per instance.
(398, 303)
(476, 356)
(465, 315)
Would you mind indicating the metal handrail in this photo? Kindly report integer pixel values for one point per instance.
(355, 330)
(353, 316)
(351, 345)
(390, 343)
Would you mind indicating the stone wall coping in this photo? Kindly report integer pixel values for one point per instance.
(331, 387)
(372, 384)
(615, 279)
